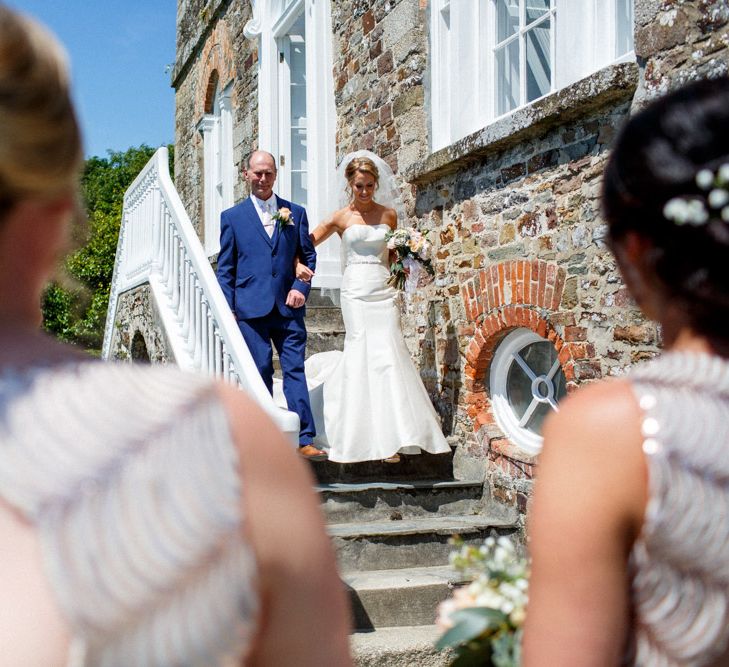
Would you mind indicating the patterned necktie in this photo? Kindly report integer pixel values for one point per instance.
(267, 219)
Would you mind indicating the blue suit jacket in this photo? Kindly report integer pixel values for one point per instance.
(255, 271)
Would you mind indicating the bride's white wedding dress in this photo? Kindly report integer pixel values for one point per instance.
(369, 401)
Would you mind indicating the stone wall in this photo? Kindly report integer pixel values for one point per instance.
(138, 332)
(513, 209)
(211, 48)
(380, 63)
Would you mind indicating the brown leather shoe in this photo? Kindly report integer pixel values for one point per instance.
(311, 453)
(395, 458)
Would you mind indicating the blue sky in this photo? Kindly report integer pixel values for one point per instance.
(119, 51)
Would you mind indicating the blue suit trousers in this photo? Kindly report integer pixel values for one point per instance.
(288, 335)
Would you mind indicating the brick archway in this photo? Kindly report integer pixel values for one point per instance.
(506, 296)
(217, 56)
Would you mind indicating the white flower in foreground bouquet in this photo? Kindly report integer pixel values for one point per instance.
(483, 620)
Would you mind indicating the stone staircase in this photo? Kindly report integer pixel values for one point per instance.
(390, 525)
(390, 529)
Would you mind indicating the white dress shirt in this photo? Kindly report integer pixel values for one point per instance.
(266, 210)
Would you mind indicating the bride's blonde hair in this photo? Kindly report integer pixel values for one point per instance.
(40, 140)
(363, 165)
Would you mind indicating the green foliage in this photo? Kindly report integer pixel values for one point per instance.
(77, 313)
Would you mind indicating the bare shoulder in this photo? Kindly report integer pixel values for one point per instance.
(596, 410)
(592, 446)
(389, 217)
(340, 218)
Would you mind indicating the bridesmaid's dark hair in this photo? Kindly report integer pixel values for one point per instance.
(656, 158)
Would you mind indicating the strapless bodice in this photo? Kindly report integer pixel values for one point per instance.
(365, 244)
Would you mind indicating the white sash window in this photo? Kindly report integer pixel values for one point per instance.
(490, 57)
(219, 173)
(292, 181)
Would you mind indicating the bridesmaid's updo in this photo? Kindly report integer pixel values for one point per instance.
(362, 165)
(664, 181)
(40, 143)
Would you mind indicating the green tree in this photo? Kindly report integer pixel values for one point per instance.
(77, 313)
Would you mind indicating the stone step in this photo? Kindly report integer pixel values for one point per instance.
(323, 341)
(316, 300)
(404, 646)
(406, 596)
(324, 319)
(422, 466)
(415, 542)
(382, 500)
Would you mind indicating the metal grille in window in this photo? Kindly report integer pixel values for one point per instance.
(526, 383)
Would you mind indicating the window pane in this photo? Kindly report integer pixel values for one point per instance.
(524, 394)
(298, 150)
(624, 22)
(507, 77)
(298, 106)
(298, 188)
(538, 356)
(518, 389)
(535, 9)
(539, 69)
(298, 61)
(536, 421)
(507, 19)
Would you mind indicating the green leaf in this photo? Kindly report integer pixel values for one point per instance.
(469, 624)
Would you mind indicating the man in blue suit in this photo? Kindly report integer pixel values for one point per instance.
(259, 239)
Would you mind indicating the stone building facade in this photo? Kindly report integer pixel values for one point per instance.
(512, 207)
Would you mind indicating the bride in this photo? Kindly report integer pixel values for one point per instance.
(368, 401)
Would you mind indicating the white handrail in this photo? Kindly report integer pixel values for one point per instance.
(158, 245)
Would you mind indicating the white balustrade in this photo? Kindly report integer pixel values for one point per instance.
(158, 245)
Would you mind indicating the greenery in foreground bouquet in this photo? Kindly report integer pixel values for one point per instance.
(482, 622)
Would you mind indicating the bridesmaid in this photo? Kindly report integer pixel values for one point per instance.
(629, 532)
(139, 523)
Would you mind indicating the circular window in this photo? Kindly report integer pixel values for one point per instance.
(526, 383)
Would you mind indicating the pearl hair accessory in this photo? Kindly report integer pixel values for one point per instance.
(698, 210)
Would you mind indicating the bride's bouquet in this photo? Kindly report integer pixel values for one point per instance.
(412, 267)
(483, 621)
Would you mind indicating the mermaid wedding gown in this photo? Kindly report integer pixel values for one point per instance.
(368, 401)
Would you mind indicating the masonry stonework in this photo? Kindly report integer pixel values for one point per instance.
(513, 210)
(211, 49)
(138, 333)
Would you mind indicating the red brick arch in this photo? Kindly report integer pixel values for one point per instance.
(217, 59)
(503, 297)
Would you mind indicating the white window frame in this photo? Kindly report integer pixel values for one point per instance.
(271, 20)
(506, 355)
(219, 170)
(463, 64)
(284, 128)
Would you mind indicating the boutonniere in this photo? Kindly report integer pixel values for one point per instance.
(283, 217)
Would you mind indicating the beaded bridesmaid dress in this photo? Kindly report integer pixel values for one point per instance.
(680, 563)
(369, 401)
(130, 478)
